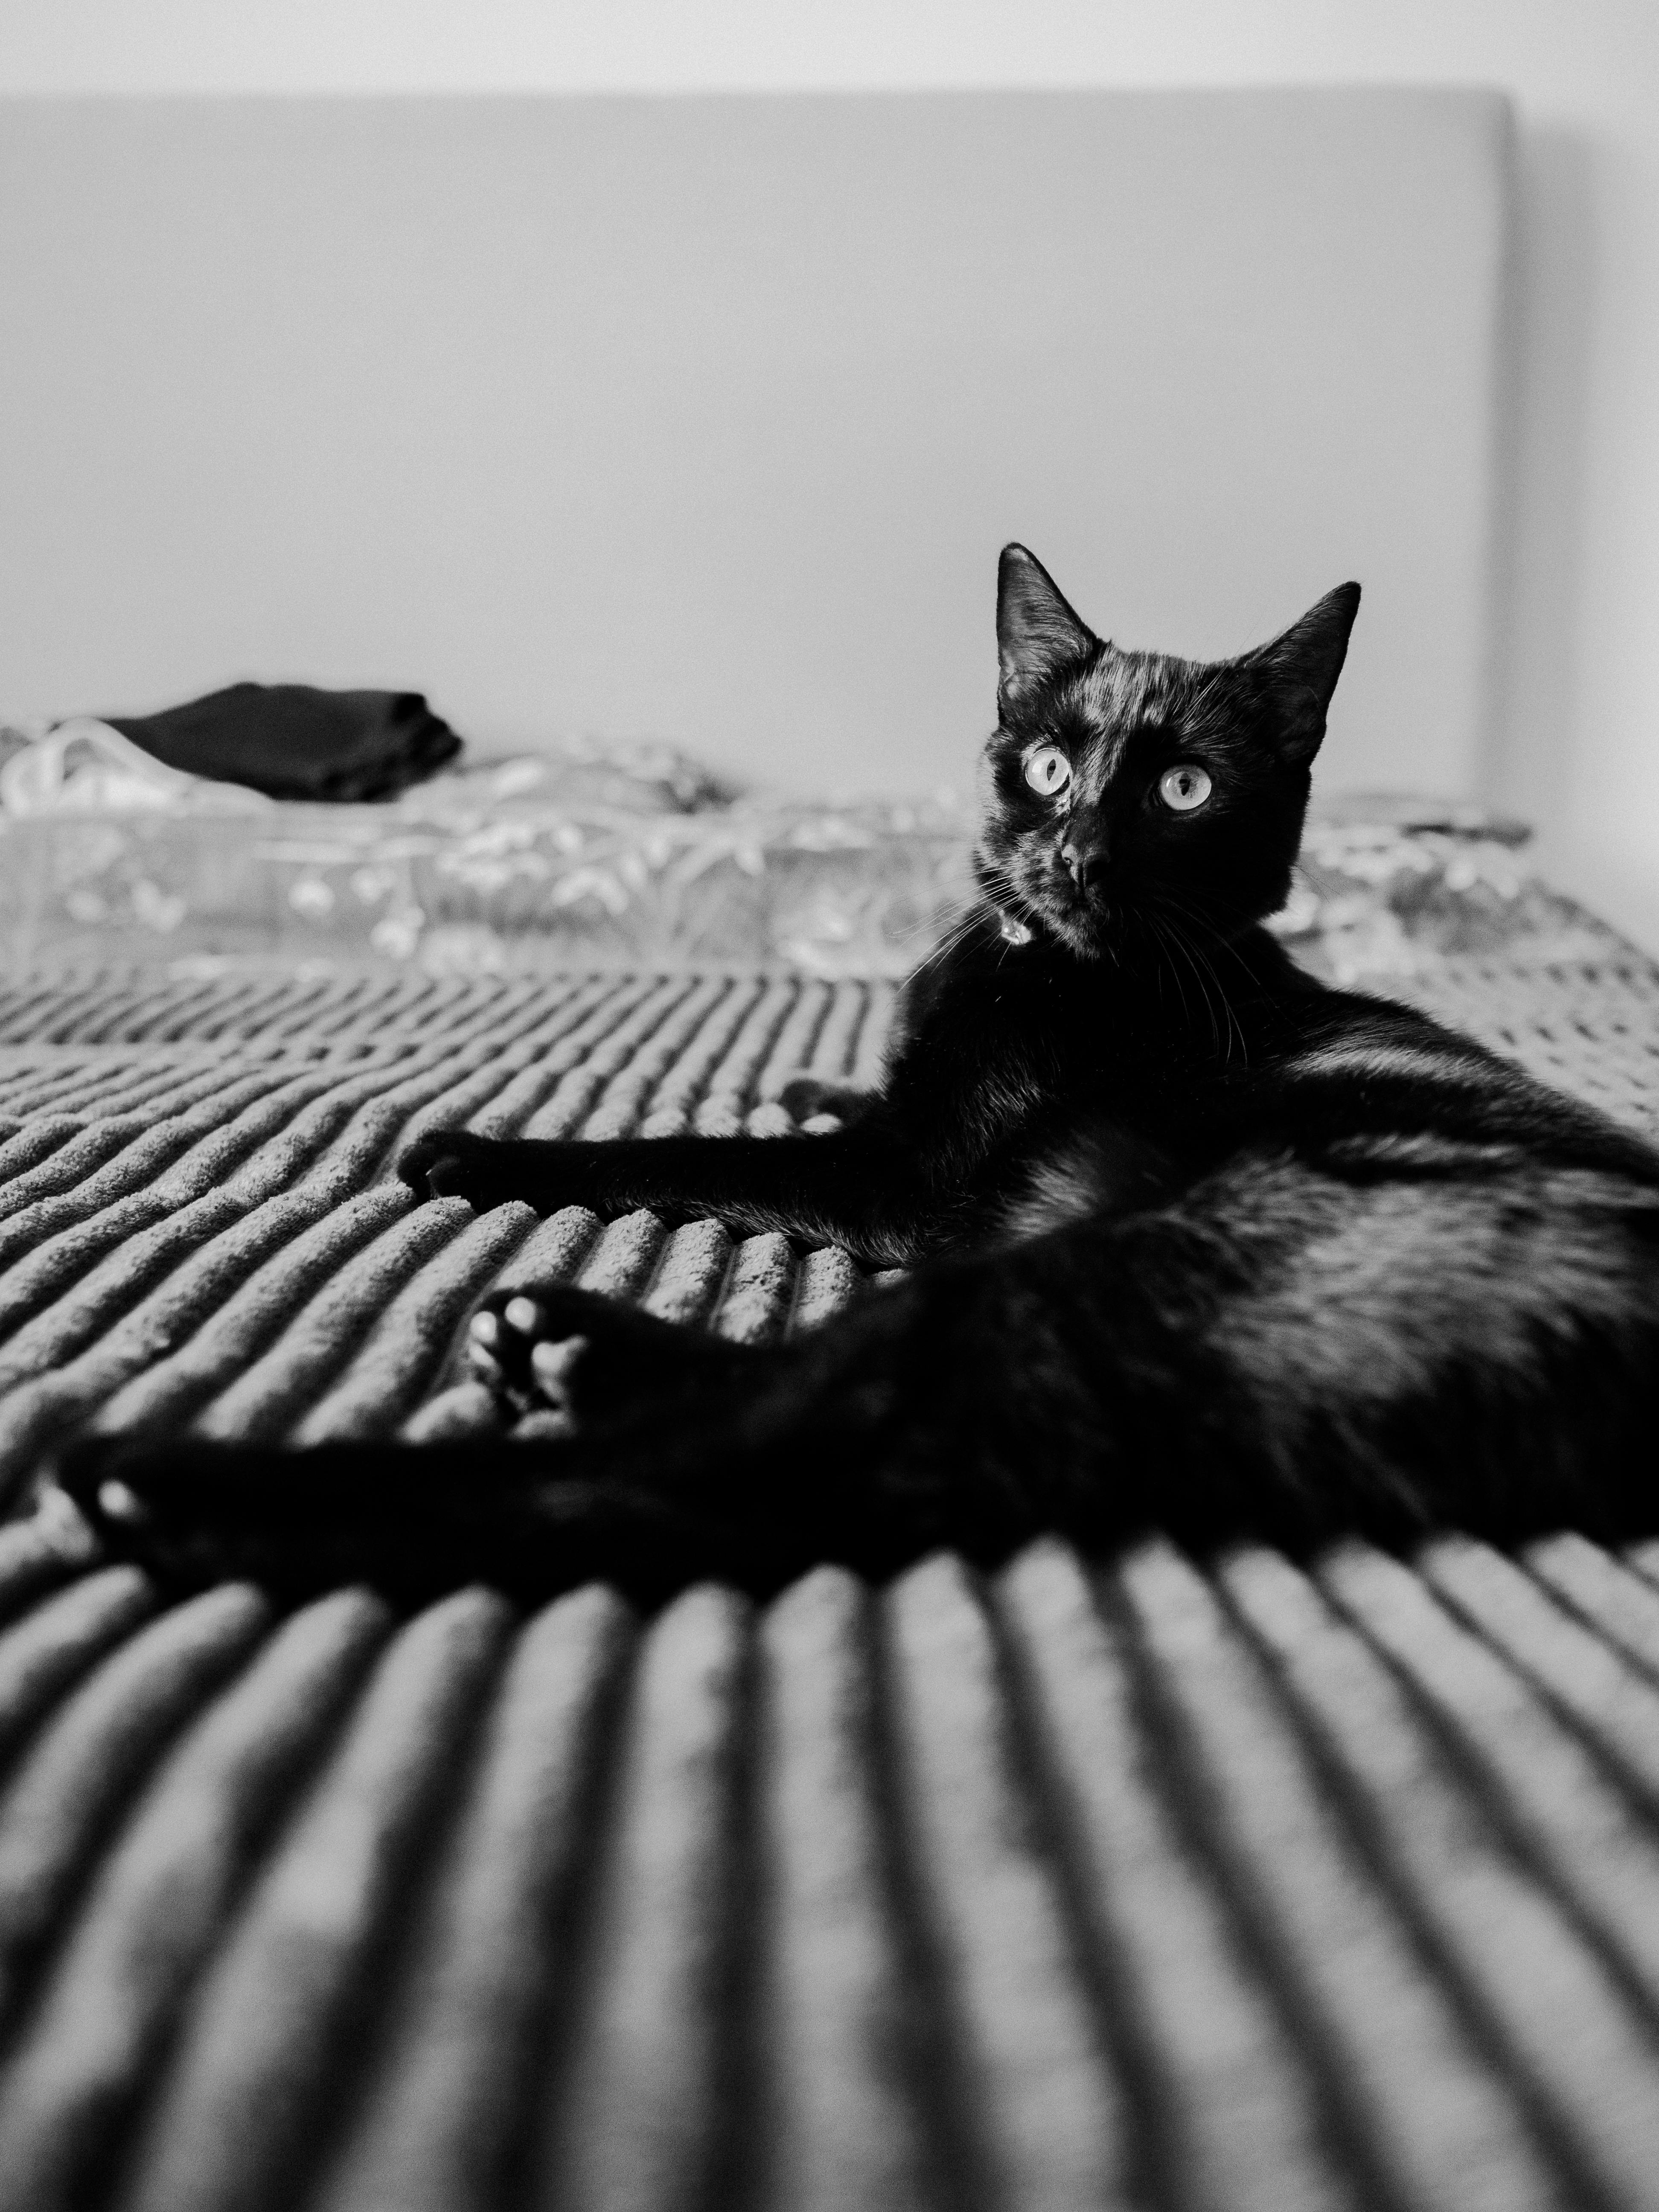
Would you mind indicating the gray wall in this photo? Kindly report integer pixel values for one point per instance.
(704, 418)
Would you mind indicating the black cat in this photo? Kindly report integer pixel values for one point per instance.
(1197, 1244)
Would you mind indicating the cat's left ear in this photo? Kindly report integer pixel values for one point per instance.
(1303, 665)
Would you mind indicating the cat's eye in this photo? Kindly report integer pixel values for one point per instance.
(1183, 788)
(1048, 771)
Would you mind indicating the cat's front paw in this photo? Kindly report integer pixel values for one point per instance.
(813, 1103)
(456, 1163)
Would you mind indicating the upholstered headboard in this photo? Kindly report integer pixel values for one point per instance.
(704, 418)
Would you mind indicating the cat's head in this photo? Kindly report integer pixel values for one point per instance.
(1134, 793)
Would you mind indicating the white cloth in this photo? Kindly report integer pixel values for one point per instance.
(84, 767)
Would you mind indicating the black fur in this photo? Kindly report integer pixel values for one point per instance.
(1197, 1244)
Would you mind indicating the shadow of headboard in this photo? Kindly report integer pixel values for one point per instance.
(704, 418)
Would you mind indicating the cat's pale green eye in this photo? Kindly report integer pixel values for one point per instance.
(1183, 788)
(1048, 771)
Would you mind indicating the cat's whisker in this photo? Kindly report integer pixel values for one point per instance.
(908, 931)
(1203, 967)
(958, 933)
(1193, 948)
(1236, 1027)
(1221, 941)
(1233, 1027)
(993, 880)
(1163, 938)
(1198, 961)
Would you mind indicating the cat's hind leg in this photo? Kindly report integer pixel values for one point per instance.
(891, 1430)
(594, 1363)
(414, 1522)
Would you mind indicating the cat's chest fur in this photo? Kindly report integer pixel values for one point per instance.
(1036, 1023)
(1052, 1081)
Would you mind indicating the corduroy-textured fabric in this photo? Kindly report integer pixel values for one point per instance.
(1141, 1886)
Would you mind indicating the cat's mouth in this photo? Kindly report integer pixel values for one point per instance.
(1081, 917)
(1087, 925)
(1085, 920)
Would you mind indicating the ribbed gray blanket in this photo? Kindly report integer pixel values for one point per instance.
(1140, 1887)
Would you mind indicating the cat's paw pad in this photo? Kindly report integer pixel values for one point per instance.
(117, 1503)
(59, 1521)
(518, 1351)
(554, 1366)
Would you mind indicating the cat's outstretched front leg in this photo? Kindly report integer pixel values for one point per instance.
(859, 1188)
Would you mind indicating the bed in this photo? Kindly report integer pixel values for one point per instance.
(1149, 1884)
(1241, 1886)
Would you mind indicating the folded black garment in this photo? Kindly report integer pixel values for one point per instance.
(293, 741)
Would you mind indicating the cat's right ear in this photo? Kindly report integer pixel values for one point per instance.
(1037, 634)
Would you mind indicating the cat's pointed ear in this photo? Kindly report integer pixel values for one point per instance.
(1304, 665)
(1036, 632)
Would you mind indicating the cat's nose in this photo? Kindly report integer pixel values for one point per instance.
(1086, 861)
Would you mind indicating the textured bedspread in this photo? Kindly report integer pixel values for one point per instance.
(1149, 1887)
